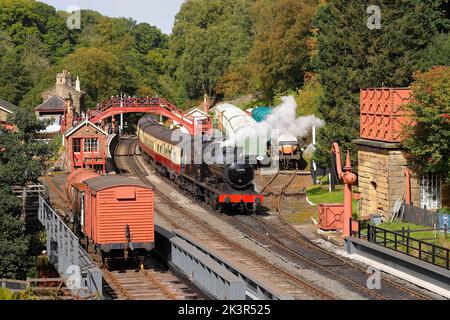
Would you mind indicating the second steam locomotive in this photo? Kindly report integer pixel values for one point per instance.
(199, 167)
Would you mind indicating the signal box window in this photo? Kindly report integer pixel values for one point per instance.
(90, 145)
(76, 145)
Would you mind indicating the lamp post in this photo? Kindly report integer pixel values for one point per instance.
(349, 179)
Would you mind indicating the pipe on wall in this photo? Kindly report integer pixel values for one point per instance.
(407, 174)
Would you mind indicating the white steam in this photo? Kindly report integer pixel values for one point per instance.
(284, 119)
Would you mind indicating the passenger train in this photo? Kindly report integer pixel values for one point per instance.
(200, 167)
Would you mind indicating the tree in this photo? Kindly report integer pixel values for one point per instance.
(351, 56)
(208, 37)
(14, 259)
(280, 52)
(21, 162)
(438, 51)
(149, 37)
(428, 141)
(99, 70)
(32, 37)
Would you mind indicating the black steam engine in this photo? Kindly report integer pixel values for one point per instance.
(200, 166)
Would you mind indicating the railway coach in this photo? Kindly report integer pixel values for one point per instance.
(218, 178)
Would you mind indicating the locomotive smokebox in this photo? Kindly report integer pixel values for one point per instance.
(237, 175)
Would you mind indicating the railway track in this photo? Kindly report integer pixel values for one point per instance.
(298, 248)
(132, 166)
(145, 284)
(294, 247)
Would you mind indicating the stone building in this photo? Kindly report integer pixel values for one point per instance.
(383, 175)
(64, 97)
(6, 109)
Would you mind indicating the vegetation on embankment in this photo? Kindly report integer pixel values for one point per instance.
(6, 294)
(21, 163)
(435, 237)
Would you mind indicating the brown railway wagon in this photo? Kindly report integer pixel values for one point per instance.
(74, 182)
(116, 206)
(114, 214)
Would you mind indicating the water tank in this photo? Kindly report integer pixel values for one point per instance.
(260, 113)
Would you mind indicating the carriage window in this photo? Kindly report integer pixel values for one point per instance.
(90, 145)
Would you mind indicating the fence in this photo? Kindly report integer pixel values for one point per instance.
(68, 257)
(16, 285)
(422, 216)
(402, 241)
(30, 198)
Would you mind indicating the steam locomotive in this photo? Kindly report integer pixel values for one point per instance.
(219, 176)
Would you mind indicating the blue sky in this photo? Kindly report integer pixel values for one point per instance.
(160, 13)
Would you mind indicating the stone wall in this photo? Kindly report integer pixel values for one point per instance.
(381, 179)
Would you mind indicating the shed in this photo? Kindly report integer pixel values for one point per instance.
(85, 147)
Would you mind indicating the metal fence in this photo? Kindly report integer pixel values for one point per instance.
(402, 241)
(30, 198)
(74, 265)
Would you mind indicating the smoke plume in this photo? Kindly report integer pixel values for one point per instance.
(284, 119)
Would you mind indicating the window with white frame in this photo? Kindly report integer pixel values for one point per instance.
(91, 145)
(430, 191)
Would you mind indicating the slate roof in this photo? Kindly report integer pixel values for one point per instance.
(53, 104)
(8, 107)
(82, 124)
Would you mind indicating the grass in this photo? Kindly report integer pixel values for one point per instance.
(430, 237)
(437, 238)
(319, 194)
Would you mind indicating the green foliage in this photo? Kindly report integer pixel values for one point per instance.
(35, 44)
(14, 259)
(429, 140)
(438, 52)
(6, 294)
(351, 57)
(32, 37)
(280, 52)
(309, 97)
(99, 70)
(21, 162)
(208, 37)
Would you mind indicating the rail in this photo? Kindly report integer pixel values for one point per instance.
(402, 241)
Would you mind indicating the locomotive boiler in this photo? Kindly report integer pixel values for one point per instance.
(219, 176)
